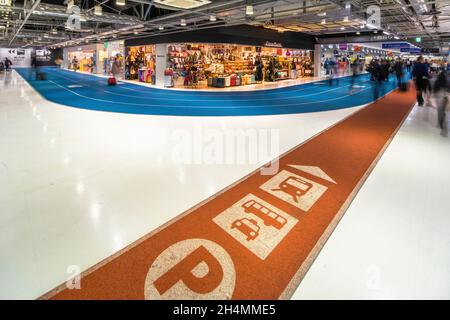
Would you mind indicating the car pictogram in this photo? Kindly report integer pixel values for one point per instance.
(248, 227)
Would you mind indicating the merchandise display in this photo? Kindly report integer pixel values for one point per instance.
(220, 65)
(86, 60)
(140, 64)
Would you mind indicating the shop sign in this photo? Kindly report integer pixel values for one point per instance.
(273, 44)
(395, 45)
(5, 3)
(343, 47)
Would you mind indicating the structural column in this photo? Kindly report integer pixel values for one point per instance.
(161, 63)
(317, 60)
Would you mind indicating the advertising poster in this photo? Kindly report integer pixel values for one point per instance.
(19, 57)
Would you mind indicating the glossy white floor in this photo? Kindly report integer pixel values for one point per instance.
(77, 185)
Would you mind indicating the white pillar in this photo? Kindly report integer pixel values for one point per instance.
(317, 59)
(65, 64)
(161, 63)
(98, 64)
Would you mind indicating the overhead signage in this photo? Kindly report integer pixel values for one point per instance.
(395, 45)
(382, 37)
(343, 47)
(43, 55)
(410, 50)
(273, 44)
(430, 50)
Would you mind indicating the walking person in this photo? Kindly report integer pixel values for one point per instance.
(75, 64)
(378, 78)
(398, 69)
(116, 68)
(33, 67)
(441, 93)
(8, 64)
(420, 75)
(355, 71)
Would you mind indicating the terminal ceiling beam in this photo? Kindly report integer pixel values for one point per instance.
(36, 3)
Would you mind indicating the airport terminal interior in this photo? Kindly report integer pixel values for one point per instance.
(224, 150)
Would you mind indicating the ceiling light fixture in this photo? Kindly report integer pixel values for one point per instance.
(249, 10)
(346, 19)
(161, 28)
(183, 22)
(212, 18)
(121, 2)
(98, 11)
(342, 28)
(323, 21)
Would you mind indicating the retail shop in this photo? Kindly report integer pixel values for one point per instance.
(226, 65)
(110, 52)
(87, 57)
(140, 63)
(200, 60)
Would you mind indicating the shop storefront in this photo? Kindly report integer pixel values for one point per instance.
(140, 63)
(226, 65)
(197, 59)
(87, 58)
(110, 52)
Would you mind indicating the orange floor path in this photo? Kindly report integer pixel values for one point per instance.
(257, 238)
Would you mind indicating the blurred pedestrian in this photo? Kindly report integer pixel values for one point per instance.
(441, 93)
